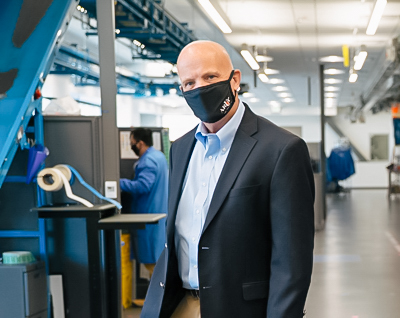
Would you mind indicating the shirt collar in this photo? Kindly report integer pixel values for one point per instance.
(226, 134)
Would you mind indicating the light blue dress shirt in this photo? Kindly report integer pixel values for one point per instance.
(205, 166)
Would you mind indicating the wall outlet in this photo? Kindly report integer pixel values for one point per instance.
(111, 189)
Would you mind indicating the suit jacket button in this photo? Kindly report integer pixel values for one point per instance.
(166, 245)
(162, 284)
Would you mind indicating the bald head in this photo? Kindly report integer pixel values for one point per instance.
(201, 63)
(205, 50)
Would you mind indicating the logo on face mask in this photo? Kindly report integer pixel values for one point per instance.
(225, 106)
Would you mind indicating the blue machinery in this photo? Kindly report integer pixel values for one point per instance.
(30, 31)
(28, 42)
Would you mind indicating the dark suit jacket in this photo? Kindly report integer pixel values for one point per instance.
(255, 253)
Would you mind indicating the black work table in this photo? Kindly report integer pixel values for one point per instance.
(103, 250)
(129, 221)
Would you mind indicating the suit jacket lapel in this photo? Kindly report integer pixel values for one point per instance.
(241, 147)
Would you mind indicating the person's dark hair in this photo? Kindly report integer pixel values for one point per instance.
(143, 134)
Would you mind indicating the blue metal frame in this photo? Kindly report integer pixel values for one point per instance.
(69, 61)
(156, 28)
(30, 60)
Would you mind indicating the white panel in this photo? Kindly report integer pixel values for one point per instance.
(56, 290)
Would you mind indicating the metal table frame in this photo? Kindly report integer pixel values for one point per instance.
(103, 243)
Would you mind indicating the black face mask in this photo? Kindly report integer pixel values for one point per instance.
(212, 102)
(135, 149)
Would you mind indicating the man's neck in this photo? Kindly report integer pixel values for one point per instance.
(143, 150)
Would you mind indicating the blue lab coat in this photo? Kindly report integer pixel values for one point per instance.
(149, 191)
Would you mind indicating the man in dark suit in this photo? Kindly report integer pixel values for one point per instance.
(240, 227)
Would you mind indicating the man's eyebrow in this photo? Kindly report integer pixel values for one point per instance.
(211, 73)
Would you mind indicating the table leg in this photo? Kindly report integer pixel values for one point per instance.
(97, 303)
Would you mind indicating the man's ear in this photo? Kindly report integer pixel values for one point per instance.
(237, 76)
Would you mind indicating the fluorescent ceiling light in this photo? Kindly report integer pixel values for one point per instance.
(360, 59)
(330, 95)
(353, 77)
(331, 59)
(279, 88)
(288, 100)
(250, 59)
(275, 106)
(247, 94)
(264, 58)
(284, 95)
(333, 71)
(330, 102)
(273, 102)
(276, 81)
(332, 89)
(263, 77)
(206, 4)
(376, 16)
(124, 71)
(270, 71)
(254, 100)
(332, 81)
(126, 90)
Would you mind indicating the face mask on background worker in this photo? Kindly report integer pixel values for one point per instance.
(135, 149)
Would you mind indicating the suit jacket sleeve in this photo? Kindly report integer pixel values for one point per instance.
(292, 224)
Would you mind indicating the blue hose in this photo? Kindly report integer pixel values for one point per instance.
(93, 190)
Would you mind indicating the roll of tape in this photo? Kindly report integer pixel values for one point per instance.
(53, 179)
(49, 179)
(65, 170)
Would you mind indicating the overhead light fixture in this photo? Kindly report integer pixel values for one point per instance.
(332, 89)
(330, 102)
(376, 16)
(332, 81)
(333, 71)
(279, 88)
(284, 95)
(213, 13)
(270, 71)
(276, 107)
(353, 76)
(126, 90)
(124, 71)
(263, 77)
(276, 81)
(247, 95)
(330, 95)
(360, 58)
(288, 100)
(254, 100)
(264, 58)
(249, 58)
(332, 59)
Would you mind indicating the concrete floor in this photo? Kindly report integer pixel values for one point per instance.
(357, 259)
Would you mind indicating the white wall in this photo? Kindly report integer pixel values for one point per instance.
(310, 125)
(369, 174)
(360, 133)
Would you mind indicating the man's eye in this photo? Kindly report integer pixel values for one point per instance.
(188, 84)
(211, 76)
